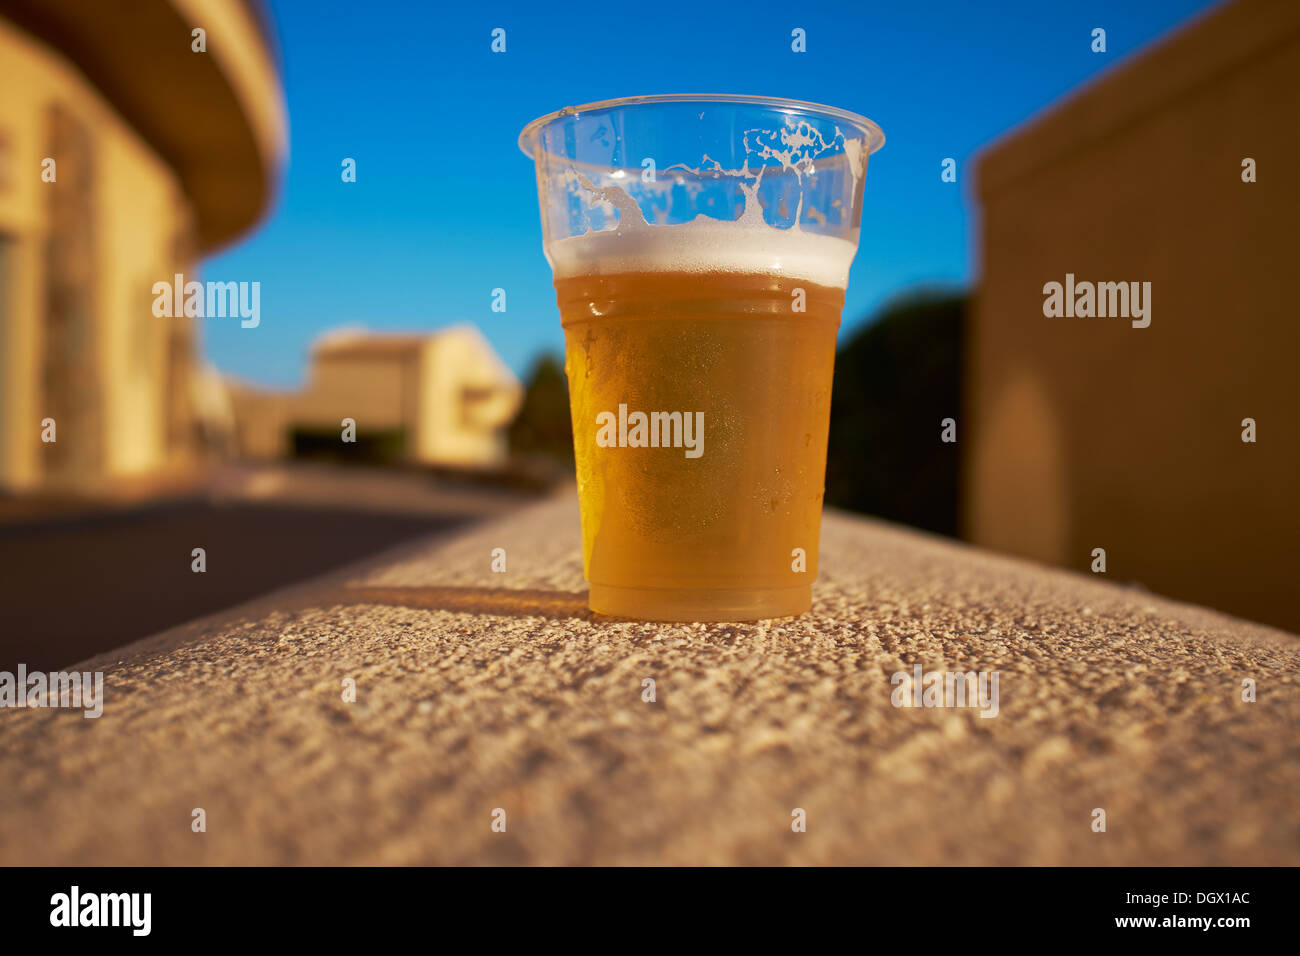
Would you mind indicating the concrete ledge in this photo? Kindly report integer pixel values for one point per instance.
(479, 690)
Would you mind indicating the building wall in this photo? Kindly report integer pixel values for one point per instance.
(468, 400)
(140, 231)
(1087, 432)
(377, 391)
(261, 421)
(447, 394)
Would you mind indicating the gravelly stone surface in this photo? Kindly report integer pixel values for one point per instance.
(479, 690)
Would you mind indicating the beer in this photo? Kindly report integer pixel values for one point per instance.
(733, 532)
(700, 248)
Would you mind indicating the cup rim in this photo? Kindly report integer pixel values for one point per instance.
(875, 135)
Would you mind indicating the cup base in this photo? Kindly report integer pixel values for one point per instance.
(699, 605)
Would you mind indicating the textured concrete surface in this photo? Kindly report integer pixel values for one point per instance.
(478, 690)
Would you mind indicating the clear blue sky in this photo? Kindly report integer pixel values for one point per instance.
(445, 206)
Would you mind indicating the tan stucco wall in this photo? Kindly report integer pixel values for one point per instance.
(261, 420)
(378, 392)
(1087, 432)
(138, 213)
(424, 388)
(455, 431)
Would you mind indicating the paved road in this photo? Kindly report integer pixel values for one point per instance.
(478, 691)
(75, 583)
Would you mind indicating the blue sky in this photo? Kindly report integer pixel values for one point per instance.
(445, 208)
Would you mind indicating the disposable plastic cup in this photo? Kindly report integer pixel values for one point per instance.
(700, 247)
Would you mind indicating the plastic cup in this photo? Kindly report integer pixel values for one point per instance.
(700, 247)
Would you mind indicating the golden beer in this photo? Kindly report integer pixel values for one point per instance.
(731, 533)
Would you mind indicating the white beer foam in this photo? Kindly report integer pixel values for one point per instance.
(707, 245)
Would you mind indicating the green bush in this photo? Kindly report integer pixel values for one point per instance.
(896, 379)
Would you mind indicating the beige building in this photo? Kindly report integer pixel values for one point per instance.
(125, 155)
(1177, 169)
(441, 399)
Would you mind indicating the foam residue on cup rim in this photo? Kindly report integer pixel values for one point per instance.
(747, 244)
